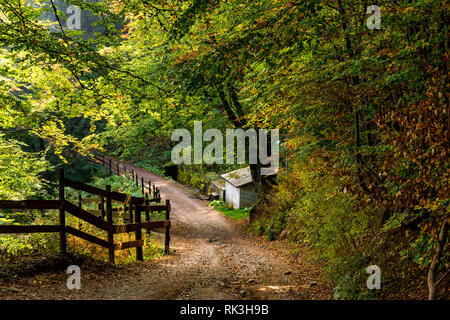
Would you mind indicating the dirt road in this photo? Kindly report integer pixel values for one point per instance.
(213, 259)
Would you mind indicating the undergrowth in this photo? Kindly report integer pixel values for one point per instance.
(313, 208)
(236, 214)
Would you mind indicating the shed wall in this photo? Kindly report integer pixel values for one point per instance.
(231, 195)
(247, 195)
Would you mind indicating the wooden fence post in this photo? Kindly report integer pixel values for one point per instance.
(110, 222)
(137, 218)
(80, 205)
(132, 175)
(102, 207)
(167, 240)
(142, 186)
(147, 212)
(62, 214)
(130, 212)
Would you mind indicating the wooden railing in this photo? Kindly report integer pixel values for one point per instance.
(119, 170)
(103, 222)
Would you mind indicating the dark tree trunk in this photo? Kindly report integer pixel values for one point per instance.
(432, 283)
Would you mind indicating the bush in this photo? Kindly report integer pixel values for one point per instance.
(196, 177)
(314, 209)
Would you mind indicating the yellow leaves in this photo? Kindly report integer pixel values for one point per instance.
(408, 9)
(432, 206)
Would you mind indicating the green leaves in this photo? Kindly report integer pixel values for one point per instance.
(19, 171)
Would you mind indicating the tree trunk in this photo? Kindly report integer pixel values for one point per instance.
(432, 283)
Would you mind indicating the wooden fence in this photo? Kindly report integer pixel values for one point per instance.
(119, 170)
(101, 221)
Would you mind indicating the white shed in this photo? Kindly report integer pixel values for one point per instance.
(239, 189)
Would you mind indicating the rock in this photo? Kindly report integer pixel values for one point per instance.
(312, 284)
(222, 284)
(287, 273)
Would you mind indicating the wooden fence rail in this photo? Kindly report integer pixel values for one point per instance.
(105, 197)
(107, 162)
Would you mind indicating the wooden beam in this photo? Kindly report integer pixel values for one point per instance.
(84, 187)
(86, 216)
(154, 207)
(122, 198)
(91, 200)
(124, 228)
(138, 234)
(115, 196)
(62, 214)
(110, 224)
(167, 237)
(129, 244)
(97, 213)
(88, 237)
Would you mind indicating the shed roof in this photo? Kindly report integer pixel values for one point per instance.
(242, 176)
(219, 184)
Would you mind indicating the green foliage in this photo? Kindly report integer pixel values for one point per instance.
(236, 214)
(150, 166)
(14, 245)
(196, 177)
(313, 208)
(369, 107)
(119, 184)
(19, 171)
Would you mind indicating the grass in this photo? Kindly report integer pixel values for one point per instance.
(236, 214)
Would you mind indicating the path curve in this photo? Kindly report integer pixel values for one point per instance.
(213, 259)
(216, 260)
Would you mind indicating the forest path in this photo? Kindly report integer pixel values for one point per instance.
(213, 259)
